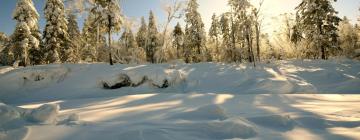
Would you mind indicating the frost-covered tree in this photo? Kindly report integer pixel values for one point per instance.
(129, 52)
(317, 21)
(56, 37)
(127, 39)
(195, 38)
(348, 37)
(153, 39)
(26, 15)
(282, 36)
(214, 34)
(242, 23)
(20, 42)
(75, 38)
(178, 40)
(141, 36)
(226, 39)
(6, 56)
(112, 19)
(93, 33)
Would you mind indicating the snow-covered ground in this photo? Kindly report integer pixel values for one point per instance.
(207, 101)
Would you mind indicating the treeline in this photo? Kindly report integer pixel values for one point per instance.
(314, 31)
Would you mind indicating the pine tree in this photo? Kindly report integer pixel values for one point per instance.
(127, 39)
(75, 37)
(26, 15)
(141, 36)
(6, 56)
(111, 19)
(195, 37)
(93, 31)
(178, 40)
(214, 34)
(20, 41)
(153, 39)
(56, 38)
(131, 52)
(226, 39)
(317, 20)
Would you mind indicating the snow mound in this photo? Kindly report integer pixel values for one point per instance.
(45, 114)
(9, 115)
(14, 119)
(72, 119)
(229, 129)
(194, 130)
(278, 122)
(33, 77)
(207, 112)
(15, 134)
(158, 77)
(5, 69)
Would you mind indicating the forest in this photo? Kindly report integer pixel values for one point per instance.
(313, 31)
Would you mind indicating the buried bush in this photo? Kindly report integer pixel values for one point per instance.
(125, 81)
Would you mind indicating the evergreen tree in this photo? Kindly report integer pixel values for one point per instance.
(214, 34)
(20, 42)
(111, 18)
(26, 15)
(317, 20)
(93, 31)
(141, 36)
(127, 39)
(3, 40)
(195, 37)
(153, 39)
(56, 38)
(178, 40)
(226, 39)
(75, 37)
(6, 54)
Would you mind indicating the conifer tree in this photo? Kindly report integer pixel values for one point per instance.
(127, 39)
(141, 36)
(56, 38)
(4, 49)
(317, 21)
(26, 15)
(111, 18)
(20, 41)
(178, 40)
(226, 40)
(153, 39)
(195, 38)
(75, 37)
(93, 33)
(214, 34)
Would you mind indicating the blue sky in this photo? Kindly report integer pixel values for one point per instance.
(138, 8)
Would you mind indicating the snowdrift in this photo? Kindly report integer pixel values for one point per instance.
(280, 77)
(14, 119)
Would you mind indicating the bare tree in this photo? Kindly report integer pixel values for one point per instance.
(257, 24)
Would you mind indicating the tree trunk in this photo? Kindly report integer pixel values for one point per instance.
(109, 34)
(323, 52)
(258, 41)
(323, 55)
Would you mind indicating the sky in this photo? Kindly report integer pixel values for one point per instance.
(137, 8)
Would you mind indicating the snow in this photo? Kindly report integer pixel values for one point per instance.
(297, 99)
(46, 113)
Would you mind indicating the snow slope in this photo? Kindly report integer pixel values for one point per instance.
(205, 101)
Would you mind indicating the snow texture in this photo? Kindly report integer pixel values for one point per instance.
(205, 101)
